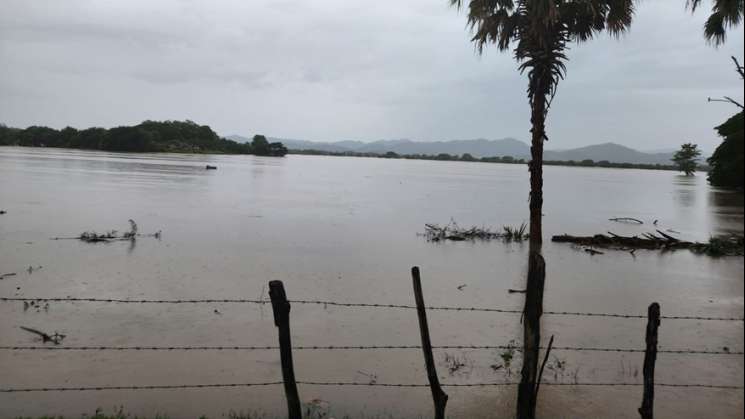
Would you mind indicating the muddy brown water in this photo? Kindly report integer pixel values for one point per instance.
(345, 229)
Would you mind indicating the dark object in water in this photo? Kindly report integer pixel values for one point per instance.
(208, 167)
(731, 245)
(55, 338)
(629, 220)
(593, 251)
(2, 212)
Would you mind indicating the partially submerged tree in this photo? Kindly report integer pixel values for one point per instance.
(539, 31)
(687, 158)
(725, 15)
(728, 161)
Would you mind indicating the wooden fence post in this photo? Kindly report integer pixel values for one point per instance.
(281, 308)
(438, 396)
(527, 390)
(650, 357)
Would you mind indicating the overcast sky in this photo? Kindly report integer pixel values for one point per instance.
(350, 70)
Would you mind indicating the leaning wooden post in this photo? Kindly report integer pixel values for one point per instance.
(527, 390)
(439, 396)
(281, 308)
(650, 357)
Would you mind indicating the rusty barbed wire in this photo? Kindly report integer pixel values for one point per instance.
(351, 384)
(326, 303)
(357, 347)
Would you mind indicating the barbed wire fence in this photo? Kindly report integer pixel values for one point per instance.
(281, 306)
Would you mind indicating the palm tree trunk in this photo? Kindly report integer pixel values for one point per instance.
(538, 131)
(527, 394)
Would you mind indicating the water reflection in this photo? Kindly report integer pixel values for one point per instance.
(727, 207)
(685, 190)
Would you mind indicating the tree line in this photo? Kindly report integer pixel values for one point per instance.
(494, 159)
(149, 136)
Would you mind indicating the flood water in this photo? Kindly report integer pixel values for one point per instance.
(346, 229)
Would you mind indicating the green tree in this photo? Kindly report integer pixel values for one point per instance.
(540, 31)
(728, 161)
(277, 149)
(687, 158)
(260, 146)
(725, 14)
(467, 157)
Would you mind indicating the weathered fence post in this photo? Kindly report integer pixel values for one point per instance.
(527, 390)
(650, 357)
(281, 308)
(438, 396)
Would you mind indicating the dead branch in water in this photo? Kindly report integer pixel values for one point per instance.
(3, 276)
(717, 246)
(453, 232)
(55, 338)
(110, 236)
(626, 220)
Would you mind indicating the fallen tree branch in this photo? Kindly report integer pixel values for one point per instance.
(716, 246)
(55, 338)
(626, 220)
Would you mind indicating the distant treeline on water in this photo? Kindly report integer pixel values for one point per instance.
(190, 137)
(503, 159)
(149, 136)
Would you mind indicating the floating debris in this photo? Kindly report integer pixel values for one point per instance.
(208, 167)
(55, 338)
(731, 245)
(435, 233)
(593, 252)
(629, 220)
(3, 276)
(112, 235)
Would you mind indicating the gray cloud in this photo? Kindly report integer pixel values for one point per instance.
(334, 69)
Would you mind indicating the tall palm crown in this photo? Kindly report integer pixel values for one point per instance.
(542, 28)
(725, 14)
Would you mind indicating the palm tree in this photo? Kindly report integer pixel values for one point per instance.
(540, 30)
(725, 14)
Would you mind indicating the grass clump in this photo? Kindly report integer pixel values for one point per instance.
(717, 246)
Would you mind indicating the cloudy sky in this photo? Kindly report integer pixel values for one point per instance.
(350, 70)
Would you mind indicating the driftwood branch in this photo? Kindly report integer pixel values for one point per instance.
(626, 220)
(717, 246)
(55, 338)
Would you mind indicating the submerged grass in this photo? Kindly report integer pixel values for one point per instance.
(729, 245)
(452, 231)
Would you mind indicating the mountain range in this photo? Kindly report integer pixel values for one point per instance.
(611, 152)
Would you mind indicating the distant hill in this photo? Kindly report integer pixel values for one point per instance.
(477, 148)
(612, 152)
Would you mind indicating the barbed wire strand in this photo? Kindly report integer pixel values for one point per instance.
(358, 305)
(349, 384)
(356, 347)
